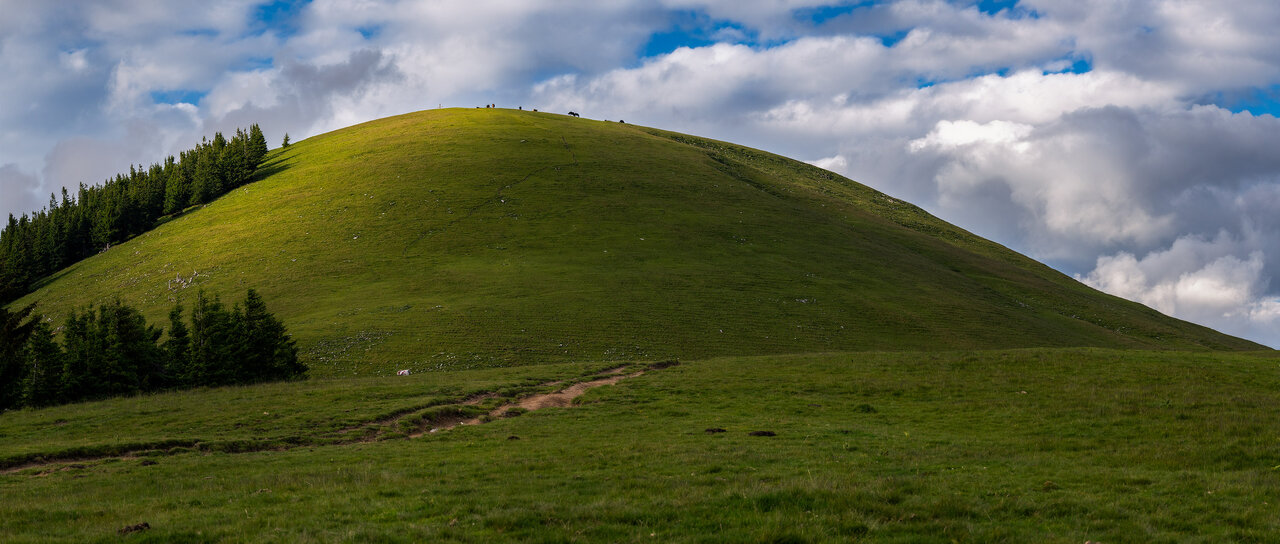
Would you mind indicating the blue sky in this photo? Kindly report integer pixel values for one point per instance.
(1129, 144)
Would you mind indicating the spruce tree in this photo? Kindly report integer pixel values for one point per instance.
(232, 162)
(112, 372)
(45, 366)
(81, 350)
(15, 330)
(269, 352)
(177, 349)
(177, 191)
(205, 183)
(134, 362)
(257, 148)
(214, 349)
(18, 264)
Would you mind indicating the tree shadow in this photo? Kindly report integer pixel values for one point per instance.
(276, 165)
(66, 270)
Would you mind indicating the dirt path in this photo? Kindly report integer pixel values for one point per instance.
(369, 431)
(557, 399)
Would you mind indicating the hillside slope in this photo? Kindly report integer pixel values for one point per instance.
(461, 238)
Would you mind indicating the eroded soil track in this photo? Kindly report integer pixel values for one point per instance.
(538, 401)
(411, 422)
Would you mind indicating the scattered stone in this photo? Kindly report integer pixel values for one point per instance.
(714, 430)
(762, 433)
(134, 528)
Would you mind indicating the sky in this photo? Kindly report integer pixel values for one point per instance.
(1131, 144)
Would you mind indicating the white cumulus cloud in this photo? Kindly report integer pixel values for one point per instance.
(1199, 280)
(1131, 175)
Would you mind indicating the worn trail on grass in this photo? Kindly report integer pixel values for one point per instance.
(372, 431)
(561, 398)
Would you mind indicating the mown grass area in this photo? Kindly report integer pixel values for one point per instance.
(454, 239)
(996, 446)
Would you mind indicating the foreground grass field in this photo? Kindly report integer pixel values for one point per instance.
(998, 446)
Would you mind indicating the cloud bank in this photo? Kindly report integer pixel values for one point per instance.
(1129, 144)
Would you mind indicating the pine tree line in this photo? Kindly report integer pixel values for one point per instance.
(79, 226)
(111, 350)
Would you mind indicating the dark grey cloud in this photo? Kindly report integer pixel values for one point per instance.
(300, 93)
(19, 189)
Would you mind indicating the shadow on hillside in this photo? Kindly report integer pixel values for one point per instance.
(36, 285)
(272, 167)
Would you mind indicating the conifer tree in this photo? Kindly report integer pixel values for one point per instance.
(81, 351)
(257, 148)
(269, 352)
(232, 162)
(178, 349)
(18, 264)
(111, 350)
(45, 366)
(214, 353)
(133, 362)
(14, 332)
(177, 191)
(205, 185)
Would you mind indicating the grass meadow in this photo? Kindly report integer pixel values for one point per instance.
(1039, 445)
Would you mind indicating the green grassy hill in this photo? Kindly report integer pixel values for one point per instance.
(459, 238)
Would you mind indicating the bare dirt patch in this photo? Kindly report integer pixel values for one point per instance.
(565, 396)
(383, 428)
(557, 399)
